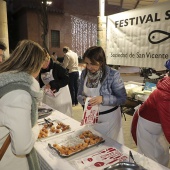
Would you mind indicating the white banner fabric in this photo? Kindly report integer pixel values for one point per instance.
(139, 37)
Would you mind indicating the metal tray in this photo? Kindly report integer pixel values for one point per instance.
(44, 112)
(73, 140)
(53, 127)
(125, 166)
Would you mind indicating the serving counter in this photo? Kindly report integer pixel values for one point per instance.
(50, 160)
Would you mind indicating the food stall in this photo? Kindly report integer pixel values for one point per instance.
(100, 155)
(137, 93)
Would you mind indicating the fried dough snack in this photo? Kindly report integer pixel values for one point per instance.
(89, 139)
(47, 128)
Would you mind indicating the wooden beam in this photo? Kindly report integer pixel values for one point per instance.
(156, 1)
(137, 2)
(121, 4)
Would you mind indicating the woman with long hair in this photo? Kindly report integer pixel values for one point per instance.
(106, 89)
(54, 79)
(19, 95)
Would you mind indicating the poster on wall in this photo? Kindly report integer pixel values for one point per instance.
(139, 37)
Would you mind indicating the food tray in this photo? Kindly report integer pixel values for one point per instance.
(50, 128)
(44, 112)
(77, 142)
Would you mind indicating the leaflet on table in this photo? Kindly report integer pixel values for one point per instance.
(101, 159)
(90, 114)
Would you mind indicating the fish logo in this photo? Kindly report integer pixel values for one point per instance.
(154, 36)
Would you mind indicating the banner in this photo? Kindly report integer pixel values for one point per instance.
(139, 37)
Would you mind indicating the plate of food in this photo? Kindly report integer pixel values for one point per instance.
(50, 128)
(78, 141)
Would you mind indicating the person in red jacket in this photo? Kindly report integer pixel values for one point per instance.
(150, 127)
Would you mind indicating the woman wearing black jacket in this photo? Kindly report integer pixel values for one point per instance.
(53, 79)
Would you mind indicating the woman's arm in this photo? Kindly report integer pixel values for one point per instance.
(113, 91)
(163, 108)
(61, 77)
(17, 118)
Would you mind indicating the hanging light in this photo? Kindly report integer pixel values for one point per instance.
(48, 3)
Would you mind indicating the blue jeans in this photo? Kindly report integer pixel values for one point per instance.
(73, 86)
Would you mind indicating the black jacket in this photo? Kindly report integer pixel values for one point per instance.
(60, 75)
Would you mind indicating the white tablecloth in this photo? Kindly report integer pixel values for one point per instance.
(49, 160)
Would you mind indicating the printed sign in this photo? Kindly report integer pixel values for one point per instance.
(139, 37)
(91, 113)
(101, 159)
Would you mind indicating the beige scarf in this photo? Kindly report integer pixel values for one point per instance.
(93, 79)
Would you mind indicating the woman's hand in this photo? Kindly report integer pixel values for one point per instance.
(96, 100)
(47, 86)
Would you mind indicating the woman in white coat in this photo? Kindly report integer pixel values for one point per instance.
(19, 95)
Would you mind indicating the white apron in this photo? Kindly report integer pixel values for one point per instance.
(62, 100)
(151, 141)
(109, 124)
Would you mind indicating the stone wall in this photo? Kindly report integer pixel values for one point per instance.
(76, 21)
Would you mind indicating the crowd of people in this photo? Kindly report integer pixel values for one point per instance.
(31, 75)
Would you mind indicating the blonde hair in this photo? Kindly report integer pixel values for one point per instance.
(28, 56)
